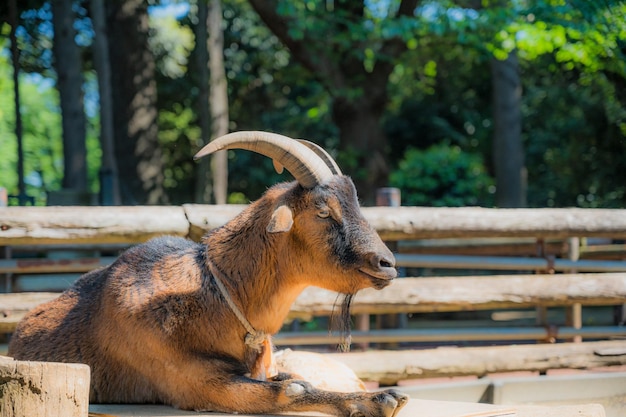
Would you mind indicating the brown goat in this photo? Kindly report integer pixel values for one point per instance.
(187, 324)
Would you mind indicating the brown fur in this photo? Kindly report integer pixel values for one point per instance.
(154, 327)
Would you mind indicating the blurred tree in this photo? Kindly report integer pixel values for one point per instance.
(137, 150)
(267, 90)
(571, 62)
(109, 178)
(172, 43)
(508, 150)
(203, 186)
(41, 120)
(571, 82)
(442, 175)
(346, 47)
(68, 66)
(572, 57)
(218, 99)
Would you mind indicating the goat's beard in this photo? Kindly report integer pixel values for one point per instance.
(342, 322)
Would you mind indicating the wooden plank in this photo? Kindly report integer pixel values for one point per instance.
(444, 333)
(437, 294)
(50, 265)
(405, 223)
(424, 295)
(389, 367)
(493, 246)
(203, 217)
(415, 407)
(14, 306)
(103, 225)
(53, 225)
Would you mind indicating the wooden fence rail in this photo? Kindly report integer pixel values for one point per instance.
(422, 295)
(102, 225)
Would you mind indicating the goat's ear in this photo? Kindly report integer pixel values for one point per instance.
(281, 220)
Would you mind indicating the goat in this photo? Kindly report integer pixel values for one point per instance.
(189, 324)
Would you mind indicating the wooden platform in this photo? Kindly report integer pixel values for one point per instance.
(415, 408)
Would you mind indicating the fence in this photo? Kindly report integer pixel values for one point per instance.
(542, 243)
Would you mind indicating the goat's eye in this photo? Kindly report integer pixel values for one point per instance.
(323, 213)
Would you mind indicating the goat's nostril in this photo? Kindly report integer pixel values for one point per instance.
(380, 261)
(385, 263)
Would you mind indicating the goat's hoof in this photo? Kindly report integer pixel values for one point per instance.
(391, 401)
(379, 404)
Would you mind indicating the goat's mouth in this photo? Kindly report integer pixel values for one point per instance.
(380, 278)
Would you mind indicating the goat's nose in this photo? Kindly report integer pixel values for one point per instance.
(382, 260)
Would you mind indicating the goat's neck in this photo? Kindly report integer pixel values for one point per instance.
(255, 274)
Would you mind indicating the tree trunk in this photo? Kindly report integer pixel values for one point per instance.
(204, 186)
(68, 65)
(218, 98)
(43, 388)
(362, 138)
(15, 61)
(109, 180)
(137, 151)
(508, 151)
(342, 71)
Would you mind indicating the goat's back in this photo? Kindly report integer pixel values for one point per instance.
(111, 317)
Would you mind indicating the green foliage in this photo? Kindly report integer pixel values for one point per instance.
(573, 100)
(268, 91)
(42, 136)
(575, 140)
(441, 93)
(171, 43)
(442, 175)
(41, 122)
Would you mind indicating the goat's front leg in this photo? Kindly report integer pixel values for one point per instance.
(302, 396)
(239, 394)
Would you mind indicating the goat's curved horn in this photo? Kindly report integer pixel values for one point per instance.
(321, 152)
(303, 163)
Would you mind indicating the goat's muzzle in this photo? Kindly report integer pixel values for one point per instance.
(380, 267)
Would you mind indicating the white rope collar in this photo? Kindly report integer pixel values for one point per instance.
(254, 338)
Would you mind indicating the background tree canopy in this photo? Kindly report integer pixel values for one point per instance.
(406, 93)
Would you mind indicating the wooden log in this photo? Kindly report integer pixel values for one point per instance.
(389, 367)
(423, 295)
(468, 293)
(102, 225)
(41, 389)
(55, 266)
(405, 223)
(88, 225)
(203, 218)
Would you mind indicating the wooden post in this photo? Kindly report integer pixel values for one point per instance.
(390, 197)
(574, 314)
(6, 253)
(541, 312)
(40, 389)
